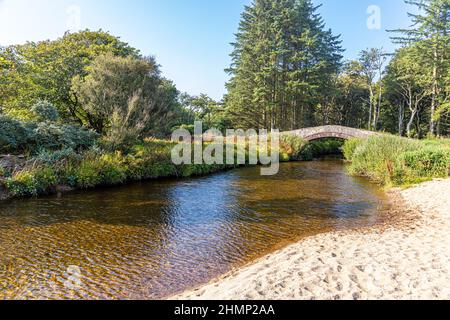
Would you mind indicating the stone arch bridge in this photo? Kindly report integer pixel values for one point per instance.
(340, 132)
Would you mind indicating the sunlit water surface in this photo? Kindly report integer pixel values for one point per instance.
(157, 238)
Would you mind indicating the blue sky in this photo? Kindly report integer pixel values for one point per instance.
(190, 38)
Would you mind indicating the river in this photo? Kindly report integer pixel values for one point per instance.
(153, 239)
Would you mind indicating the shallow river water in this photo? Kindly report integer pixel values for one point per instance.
(157, 238)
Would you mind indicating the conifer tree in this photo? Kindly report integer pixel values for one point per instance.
(283, 63)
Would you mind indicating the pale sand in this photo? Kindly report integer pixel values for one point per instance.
(409, 259)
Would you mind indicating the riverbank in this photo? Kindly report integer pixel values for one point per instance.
(409, 258)
(61, 171)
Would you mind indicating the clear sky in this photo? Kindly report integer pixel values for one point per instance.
(189, 38)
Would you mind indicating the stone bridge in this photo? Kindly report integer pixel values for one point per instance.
(339, 132)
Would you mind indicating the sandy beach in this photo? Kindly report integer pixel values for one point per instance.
(409, 258)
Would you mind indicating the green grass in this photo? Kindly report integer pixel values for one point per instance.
(395, 161)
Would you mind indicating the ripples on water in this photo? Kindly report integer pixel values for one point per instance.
(154, 239)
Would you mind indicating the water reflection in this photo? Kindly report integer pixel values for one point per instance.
(154, 239)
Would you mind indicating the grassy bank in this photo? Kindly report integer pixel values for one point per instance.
(388, 160)
(66, 169)
(395, 161)
(49, 171)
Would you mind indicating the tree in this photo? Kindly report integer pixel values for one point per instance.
(372, 63)
(351, 96)
(407, 76)
(205, 109)
(44, 71)
(283, 63)
(125, 97)
(431, 32)
(443, 112)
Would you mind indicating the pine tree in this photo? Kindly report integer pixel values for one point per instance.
(282, 64)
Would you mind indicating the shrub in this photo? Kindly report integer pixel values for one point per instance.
(51, 136)
(291, 147)
(21, 184)
(378, 157)
(349, 148)
(430, 162)
(190, 128)
(32, 182)
(13, 135)
(33, 137)
(45, 179)
(392, 160)
(113, 169)
(87, 174)
(45, 111)
(57, 158)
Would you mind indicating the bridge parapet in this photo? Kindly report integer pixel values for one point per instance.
(322, 132)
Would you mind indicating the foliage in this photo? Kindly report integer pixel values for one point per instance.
(45, 111)
(203, 108)
(428, 162)
(391, 160)
(346, 101)
(372, 63)
(291, 147)
(282, 65)
(150, 159)
(32, 137)
(350, 146)
(14, 135)
(95, 167)
(430, 32)
(56, 158)
(2, 171)
(55, 137)
(32, 182)
(409, 82)
(44, 71)
(134, 99)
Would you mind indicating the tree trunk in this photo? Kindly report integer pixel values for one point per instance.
(371, 107)
(410, 123)
(379, 101)
(435, 92)
(413, 114)
(401, 119)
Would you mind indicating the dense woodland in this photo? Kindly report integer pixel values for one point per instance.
(288, 73)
